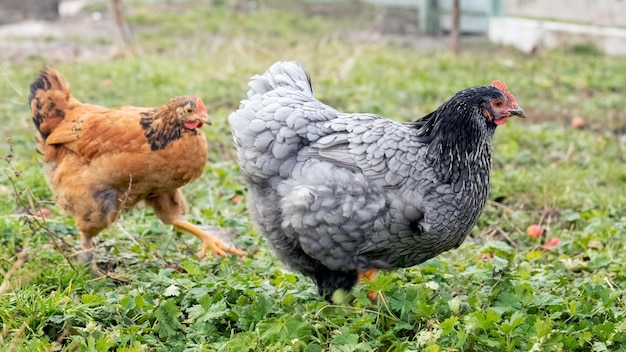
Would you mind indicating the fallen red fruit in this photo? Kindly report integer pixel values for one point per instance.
(553, 242)
(578, 122)
(43, 213)
(236, 199)
(534, 231)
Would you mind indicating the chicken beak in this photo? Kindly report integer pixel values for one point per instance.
(197, 121)
(518, 112)
(205, 119)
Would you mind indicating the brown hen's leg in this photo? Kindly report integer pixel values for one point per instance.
(86, 255)
(87, 230)
(208, 241)
(170, 208)
(369, 274)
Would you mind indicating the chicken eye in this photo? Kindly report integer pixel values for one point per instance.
(499, 103)
(188, 109)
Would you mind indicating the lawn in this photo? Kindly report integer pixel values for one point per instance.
(502, 290)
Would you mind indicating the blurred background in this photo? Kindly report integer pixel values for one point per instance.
(28, 26)
(562, 169)
(333, 37)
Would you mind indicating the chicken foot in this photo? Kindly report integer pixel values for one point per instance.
(209, 241)
(369, 274)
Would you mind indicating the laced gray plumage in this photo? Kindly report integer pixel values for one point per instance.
(336, 193)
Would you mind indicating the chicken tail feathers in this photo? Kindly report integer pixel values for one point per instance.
(289, 74)
(49, 98)
(280, 117)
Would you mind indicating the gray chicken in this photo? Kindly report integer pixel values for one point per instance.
(338, 196)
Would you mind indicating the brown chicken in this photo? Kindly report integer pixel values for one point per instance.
(100, 162)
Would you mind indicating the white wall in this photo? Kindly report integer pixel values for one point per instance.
(596, 12)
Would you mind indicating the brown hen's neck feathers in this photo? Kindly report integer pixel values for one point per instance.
(162, 127)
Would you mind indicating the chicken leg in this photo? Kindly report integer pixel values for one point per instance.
(369, 274)
(89, 226)
(86, 255)
(208, 241)
(170, 208)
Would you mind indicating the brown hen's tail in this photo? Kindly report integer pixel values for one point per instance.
(49, 98)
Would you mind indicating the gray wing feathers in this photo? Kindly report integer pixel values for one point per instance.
(381, 149)
(330, 210)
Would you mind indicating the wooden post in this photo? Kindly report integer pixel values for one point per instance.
(455, 30)
(120, 19)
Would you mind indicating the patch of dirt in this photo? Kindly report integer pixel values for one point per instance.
(79, 38)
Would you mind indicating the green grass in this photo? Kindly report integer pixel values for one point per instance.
(501, 290)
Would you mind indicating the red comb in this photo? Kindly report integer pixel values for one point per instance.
(200, 104)
(500, 85)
